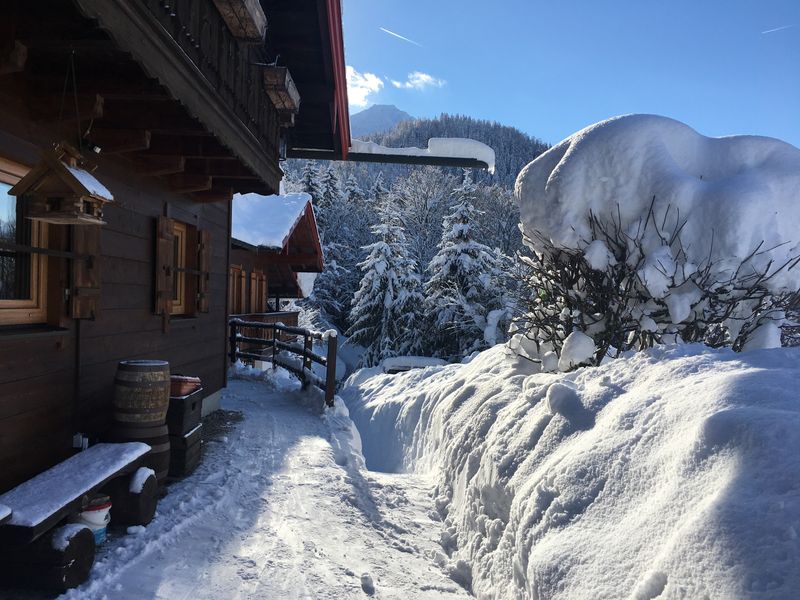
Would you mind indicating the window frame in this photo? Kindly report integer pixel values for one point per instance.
(179, 262)
(33, 310)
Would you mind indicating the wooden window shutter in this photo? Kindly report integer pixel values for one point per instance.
(204, 269)
(85, 295)
(253, 293)
(165, 258)
(262, 293)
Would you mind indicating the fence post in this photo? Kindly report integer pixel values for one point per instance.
(233, 326)
(306, 361)
(330, 369)
(274, 347)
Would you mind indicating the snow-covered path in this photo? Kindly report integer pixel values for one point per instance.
(280, 508)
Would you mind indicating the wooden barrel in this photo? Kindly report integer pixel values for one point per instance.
(141, 393)
(155, 437)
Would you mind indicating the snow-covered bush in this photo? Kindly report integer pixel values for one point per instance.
(626, 298)
(643, 231)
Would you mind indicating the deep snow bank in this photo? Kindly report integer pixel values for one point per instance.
(671, 473)
(735, 192)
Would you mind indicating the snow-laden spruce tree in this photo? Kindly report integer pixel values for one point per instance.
(463, 295)
(352, 191)
(386, 313)
(378, 190)
(310, 181)
(345, 220)
(330, 196)
(423, 199)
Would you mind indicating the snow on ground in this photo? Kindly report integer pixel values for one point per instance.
(735, 193)
(672, 473)
(280, 507)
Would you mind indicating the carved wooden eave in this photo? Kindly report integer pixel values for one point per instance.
(135, 30)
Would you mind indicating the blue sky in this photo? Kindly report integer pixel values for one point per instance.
(553, 67)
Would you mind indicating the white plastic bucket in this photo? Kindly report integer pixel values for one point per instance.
(97, 519)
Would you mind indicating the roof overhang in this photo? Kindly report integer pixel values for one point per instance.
(436, 161)
(136, 30)
(306, 36)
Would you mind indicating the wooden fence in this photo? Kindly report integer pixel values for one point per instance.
(260, 341)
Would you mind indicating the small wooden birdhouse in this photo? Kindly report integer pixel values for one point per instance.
(283, 93)
(62, 191)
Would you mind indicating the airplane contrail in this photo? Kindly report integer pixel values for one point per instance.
(397, 35)
(777, 29)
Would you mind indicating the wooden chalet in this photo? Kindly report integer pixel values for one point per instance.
(272, 258)
(154, 114)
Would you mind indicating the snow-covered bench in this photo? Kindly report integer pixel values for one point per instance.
(40, 503)
(34, 552)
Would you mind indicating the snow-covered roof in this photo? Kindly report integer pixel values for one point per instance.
(89, 181)
(735, 192)
(267, 221)
(305, 282)
(437, 148)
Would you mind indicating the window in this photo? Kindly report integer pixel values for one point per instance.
(179, 264)
(23, 274)
(183, 265)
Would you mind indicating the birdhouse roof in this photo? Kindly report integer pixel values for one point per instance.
(80, 181)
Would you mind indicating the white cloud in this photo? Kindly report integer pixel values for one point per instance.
(418, 81)
(360, 86)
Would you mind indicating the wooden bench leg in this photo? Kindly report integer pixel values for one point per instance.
(133, 506)
(59, 560)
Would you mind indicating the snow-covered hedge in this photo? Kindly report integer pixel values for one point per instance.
(642, 228)
(667, 473)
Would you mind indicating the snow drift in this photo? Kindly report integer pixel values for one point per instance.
(734, 192)
(669, 473)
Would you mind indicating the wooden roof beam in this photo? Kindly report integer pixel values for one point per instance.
(181, 183)
(190, 147)
(215, 194)
(56, 107)
(119, 141)
(154, 165)
(219, 168)
(156, 116)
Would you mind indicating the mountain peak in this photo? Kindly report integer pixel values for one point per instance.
(376, 119)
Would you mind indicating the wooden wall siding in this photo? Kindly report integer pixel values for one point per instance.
(127, 326)
(38, 410)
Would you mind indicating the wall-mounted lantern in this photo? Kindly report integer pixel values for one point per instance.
(62, 191)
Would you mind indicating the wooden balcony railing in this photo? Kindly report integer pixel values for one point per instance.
(234, 69)
(265, 341)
